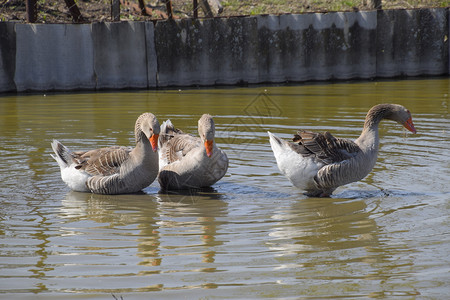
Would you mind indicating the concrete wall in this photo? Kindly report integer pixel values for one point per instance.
(54, 57)
(412, 42)
(120, 55)
(316, 46)
(7, 57)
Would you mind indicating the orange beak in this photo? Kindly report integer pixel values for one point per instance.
(209, 147)
(154, 142)
(409, 125)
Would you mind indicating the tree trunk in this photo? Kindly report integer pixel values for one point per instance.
(169, 9)
(115, 10)
(374, 4)
(142, 7)
(195, 5)
(31, 11)
(74, 11)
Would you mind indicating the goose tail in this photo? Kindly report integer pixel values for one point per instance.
(277, 143)
(167, 132)
(167, 127)
(63, 155)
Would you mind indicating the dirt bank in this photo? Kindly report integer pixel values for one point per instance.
(55, 11)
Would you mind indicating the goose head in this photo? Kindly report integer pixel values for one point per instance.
(149, 125)
(394, 112)
(206, 130)
(401, 115)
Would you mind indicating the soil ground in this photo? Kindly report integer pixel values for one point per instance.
(56, 11)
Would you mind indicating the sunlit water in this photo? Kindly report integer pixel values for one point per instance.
(252, 235)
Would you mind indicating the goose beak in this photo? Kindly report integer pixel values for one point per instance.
(409, 125)
(209, 147)
(154, 142)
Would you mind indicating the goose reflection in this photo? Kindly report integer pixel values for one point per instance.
(325, 225)
(120, 215)
(192, 215)
(338, 240)
(181, 223)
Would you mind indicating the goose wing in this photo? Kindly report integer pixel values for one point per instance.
(324, 146)
(103, 161)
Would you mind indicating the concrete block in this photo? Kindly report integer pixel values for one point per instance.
(152, 63)
(7, 57)
(317, 46)
(412, 42)
(54, 57)
(120, 55)
(206, 52)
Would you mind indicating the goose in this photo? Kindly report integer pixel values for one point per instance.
(188, 162)
(116, 169)
(318, 163)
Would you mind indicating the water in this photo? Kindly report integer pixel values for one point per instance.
(252, 235)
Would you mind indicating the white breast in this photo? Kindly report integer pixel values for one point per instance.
(75, 179)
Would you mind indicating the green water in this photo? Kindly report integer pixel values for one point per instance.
(253, 235)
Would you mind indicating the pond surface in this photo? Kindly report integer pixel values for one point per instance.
(253, 235)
